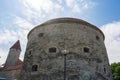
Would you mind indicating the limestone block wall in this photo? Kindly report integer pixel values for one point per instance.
(86, 57)
(10, 75)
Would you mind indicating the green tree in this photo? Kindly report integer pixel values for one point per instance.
(115, 68)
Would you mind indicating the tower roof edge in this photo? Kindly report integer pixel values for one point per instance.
(16, 45)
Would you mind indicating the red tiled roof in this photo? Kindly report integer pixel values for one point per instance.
(15, 67)
(16, 46)
(19, 62)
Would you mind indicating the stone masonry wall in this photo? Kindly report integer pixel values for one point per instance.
(86, 58)
(10, 75)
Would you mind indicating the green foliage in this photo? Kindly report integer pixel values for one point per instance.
(115, 68)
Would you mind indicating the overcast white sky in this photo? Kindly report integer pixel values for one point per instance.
(18, 17)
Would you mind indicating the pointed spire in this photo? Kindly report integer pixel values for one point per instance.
(16, 46)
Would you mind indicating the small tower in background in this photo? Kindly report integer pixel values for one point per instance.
(13, 56)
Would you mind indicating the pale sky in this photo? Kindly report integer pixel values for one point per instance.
(18, 17)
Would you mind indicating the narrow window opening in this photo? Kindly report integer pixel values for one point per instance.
(97, 38)
(52, 50)
(105, 70)
(35, 68)
(86, 50)
(30, 54)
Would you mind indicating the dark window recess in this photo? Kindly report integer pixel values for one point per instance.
(86, 50)
(40, 34)
(52, 50)
(34, 67)
(97, 38)
(30, 54)
(105, 70)
(73, 77)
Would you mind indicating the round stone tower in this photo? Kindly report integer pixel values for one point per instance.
(66, 49)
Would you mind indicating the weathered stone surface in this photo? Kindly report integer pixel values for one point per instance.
(10, 75)
(86, 58)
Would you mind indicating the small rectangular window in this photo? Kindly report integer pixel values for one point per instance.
(86, 49)
(34, 67)
(52, 50)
